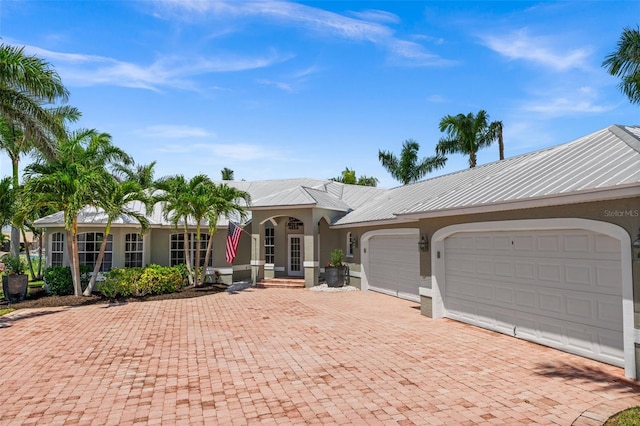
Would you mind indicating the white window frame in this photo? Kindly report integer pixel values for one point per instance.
(204, 240)
(270, 244)
(56, 254)
(83, 253)
(133, 245)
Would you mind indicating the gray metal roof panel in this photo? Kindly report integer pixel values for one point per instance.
(597, 161)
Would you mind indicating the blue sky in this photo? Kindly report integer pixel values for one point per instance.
(305, 89)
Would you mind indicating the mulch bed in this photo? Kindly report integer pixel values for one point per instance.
(37, 297)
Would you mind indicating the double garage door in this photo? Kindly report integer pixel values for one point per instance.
(394, 265)
(560, 288)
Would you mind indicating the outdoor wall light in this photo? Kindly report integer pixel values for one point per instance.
(423, 243)
(636, 248)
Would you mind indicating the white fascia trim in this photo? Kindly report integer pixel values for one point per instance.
(283, 207)
(364, 249)
(547, 201)
(394, 221)
(629, 333)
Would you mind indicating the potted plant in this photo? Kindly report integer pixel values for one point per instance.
(14, 282)
(336, 273)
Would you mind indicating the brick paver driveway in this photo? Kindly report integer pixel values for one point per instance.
(276, 356)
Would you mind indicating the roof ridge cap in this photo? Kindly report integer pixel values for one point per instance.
(626, 136)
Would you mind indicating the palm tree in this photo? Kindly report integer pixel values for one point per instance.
(117, 201)
(625, 63)
(175, 198)
(348, 176)
(6, 201)
(15, 142)
(227, 174)
(407, 168)
(27, 84)
(76, 178)
(224, 201)
(466, 134)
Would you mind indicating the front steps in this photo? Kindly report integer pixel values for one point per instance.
(284, 282)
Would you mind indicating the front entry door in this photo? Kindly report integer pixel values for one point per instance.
(296, 256)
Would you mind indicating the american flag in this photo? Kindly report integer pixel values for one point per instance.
(233, 238)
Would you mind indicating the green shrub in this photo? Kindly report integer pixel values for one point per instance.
(139, 282)
(161, 279)
(59, 281)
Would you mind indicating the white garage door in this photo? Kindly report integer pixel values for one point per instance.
(559, 288)
(394, 265)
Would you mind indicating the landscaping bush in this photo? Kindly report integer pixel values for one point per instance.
(139, 282)
(59, 282)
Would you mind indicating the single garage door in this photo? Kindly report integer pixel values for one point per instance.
(559, 288)
(394, 265)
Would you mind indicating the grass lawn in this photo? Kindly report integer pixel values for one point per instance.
(628, 417)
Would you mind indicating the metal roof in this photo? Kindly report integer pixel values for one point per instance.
(606, 159)
(602, 161)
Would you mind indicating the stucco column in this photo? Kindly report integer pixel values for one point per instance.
(311, 263)
(257, 262)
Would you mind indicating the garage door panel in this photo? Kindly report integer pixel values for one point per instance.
(561, 288)
(394, 266)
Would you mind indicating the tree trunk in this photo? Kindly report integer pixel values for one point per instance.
(40, 242)
(15, 231)
(96, 268)
(187, 257)
(207, 254)
(74, 261)
(197, 279)
(28, 253)
(500, 144)
(472, 159)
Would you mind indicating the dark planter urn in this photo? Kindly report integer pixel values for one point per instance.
(15, 287)
(336, 276)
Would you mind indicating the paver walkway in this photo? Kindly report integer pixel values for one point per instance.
(282, 357)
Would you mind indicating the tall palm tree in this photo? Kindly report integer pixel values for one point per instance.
(408, 168)
(27, 85)
(466, 134)
(14, 141)
(227, 174)
(117, 201)
(625, 63)
(74, 179)
(226, 201)
(7, 204)
(174, 196)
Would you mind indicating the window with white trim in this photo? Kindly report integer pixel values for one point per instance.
(89, 248)
(177, 249)
(57, 249)
(133, 250)
(350, 244)
(269, 244)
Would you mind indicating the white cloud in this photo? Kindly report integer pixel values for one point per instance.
(377, 16)
(437, 99)
(545, 51)
(583, 100)
(314, 19)
(234, 152)
(173, 131)
(168, 71)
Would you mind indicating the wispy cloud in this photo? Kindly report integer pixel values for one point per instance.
(234, 152)
(167, 71)
(377, 16)
(365, 27)
(545, 51)
(173, 132)
(581, 101)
